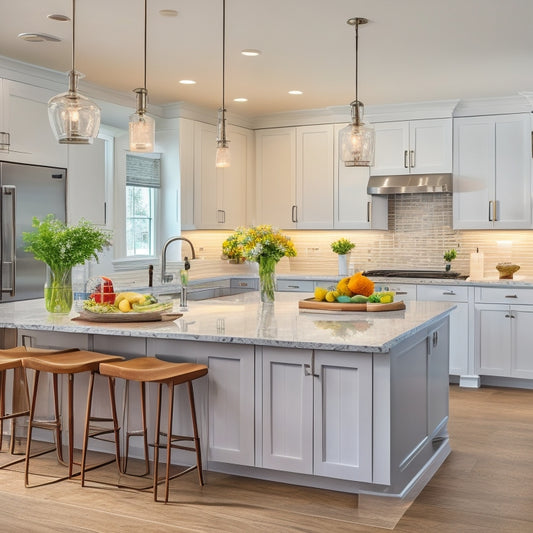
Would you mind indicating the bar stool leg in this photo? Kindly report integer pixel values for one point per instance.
(86, 428)
(58, 433)
(195, 433)
(141, 433)
(30, 428)
(170, 388)
(70, 424)
(157, 434)
(2, 404)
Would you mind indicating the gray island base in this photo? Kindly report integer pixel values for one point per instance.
(355, 402)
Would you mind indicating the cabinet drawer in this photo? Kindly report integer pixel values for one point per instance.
(243, 283)
(442, 293)
(504, 295)
(289, 285)
(404, 291)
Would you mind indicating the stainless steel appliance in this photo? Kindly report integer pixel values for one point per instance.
(26, 191)
(428, 274)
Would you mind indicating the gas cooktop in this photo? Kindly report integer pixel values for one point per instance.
(431, 274)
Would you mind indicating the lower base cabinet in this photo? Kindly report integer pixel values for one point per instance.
(317, 413)
(504, 334)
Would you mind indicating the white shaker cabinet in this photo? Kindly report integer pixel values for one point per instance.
(353, 207)
(492, 172)
(314, 177)
(213, 198)
(276, 177)
(504, 332)
(316, 415)
(413, 147)
(24, 112)
(459, 324)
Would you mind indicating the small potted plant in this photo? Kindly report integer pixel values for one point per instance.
(449, 256)
(343, 247)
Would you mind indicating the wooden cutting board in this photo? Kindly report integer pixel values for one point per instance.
(314, 305)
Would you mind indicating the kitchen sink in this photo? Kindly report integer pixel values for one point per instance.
(205, 293)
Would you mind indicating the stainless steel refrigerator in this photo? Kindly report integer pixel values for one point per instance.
(26, 191)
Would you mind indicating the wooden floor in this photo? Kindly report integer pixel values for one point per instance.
(485, 485)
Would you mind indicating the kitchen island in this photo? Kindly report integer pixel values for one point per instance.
(356, 402)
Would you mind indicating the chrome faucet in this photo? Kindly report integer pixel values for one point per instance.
(166, 278)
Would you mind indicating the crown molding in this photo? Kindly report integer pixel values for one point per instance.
(519, 103)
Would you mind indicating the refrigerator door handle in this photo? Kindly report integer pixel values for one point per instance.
(8, 190)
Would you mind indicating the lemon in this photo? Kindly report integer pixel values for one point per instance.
(386, 299)
(320, 294)
(124, 306)
(330, 296)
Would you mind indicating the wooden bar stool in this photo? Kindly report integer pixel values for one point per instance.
(151, 370)
(65, 363)
(11, 359)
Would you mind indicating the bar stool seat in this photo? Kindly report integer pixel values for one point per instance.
(11, 359)
(152, 370)
(67, 363)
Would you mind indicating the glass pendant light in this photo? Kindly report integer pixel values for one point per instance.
(223, 158)
(357, 140)
(142, 127)
(74, 119)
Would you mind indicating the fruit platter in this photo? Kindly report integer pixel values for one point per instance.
(104, 305)
(354, 293)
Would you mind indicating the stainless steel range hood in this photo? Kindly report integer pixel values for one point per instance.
(410, 183)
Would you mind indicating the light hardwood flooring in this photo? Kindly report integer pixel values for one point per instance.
(485, 485)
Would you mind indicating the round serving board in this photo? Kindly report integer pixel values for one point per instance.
(314, 305)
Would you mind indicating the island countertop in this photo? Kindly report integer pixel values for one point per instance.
(242, 319)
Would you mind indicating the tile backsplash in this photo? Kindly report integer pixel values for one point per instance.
(420, 231)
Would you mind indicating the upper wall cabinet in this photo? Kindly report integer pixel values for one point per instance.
(213, 198)
(413, 147)
(302, 185)
(24, 115)
(276, 177)
(89, 169)
(353, 207)
(492, 172)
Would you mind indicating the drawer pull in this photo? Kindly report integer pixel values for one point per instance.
(511, 296)
(401, 292)
(449, 293)
(293, 286)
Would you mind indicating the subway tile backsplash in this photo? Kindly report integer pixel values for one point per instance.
(420, 231)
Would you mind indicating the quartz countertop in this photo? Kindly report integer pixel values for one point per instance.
(242, 319)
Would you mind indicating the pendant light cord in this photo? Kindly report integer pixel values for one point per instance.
(73, 34)
(223, 56)
(356, 60)
(145, 33)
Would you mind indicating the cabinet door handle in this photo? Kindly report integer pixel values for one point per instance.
(510, 316)
(449, 293)
(294, 214)
(221, 216)
(310, 371)
(368, 211)
(401, 292)
(435, 338)
(492, 210)
(412, 158)
(511, 296)
(405, 164)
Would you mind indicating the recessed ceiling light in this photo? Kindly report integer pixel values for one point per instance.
(38, 37)
(168, 12)
(240, 99)
(250, 52)
(58, 17)
(295, 92)
(187, 82)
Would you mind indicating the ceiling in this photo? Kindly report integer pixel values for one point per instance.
(411, 50)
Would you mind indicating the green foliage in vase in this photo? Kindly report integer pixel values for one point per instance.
(342, 246)
(450, 255)
(62, 247)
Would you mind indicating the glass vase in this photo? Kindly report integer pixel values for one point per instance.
(267, 278)
(58, 290)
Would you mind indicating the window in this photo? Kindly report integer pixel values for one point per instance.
(143, 180)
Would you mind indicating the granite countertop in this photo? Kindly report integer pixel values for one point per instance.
(243, 319)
